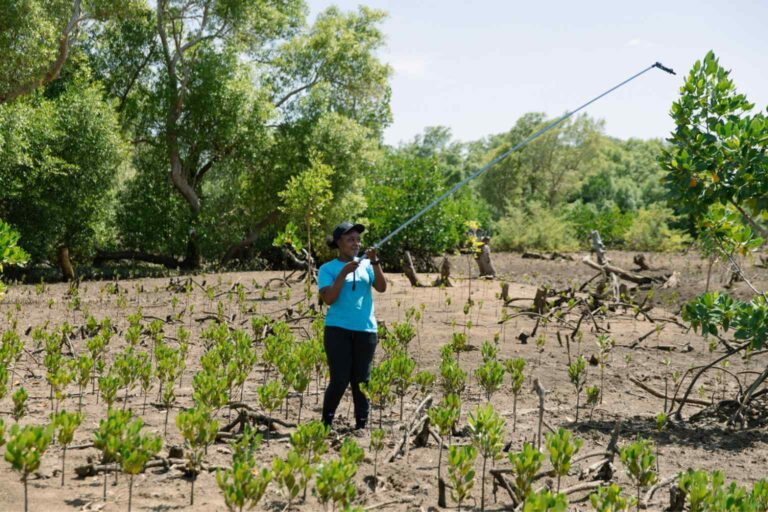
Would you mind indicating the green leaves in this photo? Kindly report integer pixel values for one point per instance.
(718, 148)
(136, 449)
(486, 429)
(461, 471)
(526, 464)
(714, 312)
(561, 451)
(608, 499)
(25, 447)
(639, 462)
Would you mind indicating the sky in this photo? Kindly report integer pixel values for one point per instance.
(477, 66)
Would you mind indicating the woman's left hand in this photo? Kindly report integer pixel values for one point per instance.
(371, 253)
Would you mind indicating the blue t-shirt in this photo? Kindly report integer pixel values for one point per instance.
(353, 309)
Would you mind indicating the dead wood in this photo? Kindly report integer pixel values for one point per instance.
(659, 394)
(624, 274)
(445, 274)
(639, 260)
(409, 270)
(484, 260)
(157, 259)
(533, 256)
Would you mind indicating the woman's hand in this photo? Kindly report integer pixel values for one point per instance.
(349, 267)
(371, 253)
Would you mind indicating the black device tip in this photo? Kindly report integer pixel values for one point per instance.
(664, 68)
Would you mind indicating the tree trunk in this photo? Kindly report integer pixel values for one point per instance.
(409, 270)
(597, 247)
(65, 264)
(237, 251)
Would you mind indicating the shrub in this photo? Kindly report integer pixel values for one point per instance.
(534, 227)
(650, 231)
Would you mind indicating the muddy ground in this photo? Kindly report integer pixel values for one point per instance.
(408, 484)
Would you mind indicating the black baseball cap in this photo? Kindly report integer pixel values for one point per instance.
(341, 229)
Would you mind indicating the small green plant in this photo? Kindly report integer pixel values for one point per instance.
(136, 449)
(379, 388)
(444, 417)
(199, 431)
(661, 423)
(401, 370)
(25, 449)
(639, 463)
(65, 424)
(561, 452)
(109, 437)
(452, 378)
(377, 444)
(461, 472)
(108, 387)
(487, 432)
(545, 501)
(19, 398)
(608, 499)
(271, 396)
(291, 474)
(490, 376)
(593, 398)
(526, 464)
(424, 380)
(515, 369)
(577, 373)
(244, 484)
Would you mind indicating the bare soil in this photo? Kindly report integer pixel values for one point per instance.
(407, 484)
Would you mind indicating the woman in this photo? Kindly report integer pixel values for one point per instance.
(350, 327)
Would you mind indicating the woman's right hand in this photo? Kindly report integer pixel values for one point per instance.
(349, 267)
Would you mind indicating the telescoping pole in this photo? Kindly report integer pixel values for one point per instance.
(521, 145)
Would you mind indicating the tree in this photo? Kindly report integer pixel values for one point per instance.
(36, 36)
(10, 252)
(718, 149)
(60, 157)
(231, 114)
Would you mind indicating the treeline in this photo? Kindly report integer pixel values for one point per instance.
(185, 133)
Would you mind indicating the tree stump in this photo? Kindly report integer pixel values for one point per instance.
(409, 270)
(505, 292)
(639, 260)
(540, 301)
(445, 274)
(484, 259)
(598, 247)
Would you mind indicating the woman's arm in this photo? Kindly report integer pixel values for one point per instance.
(329, 294)
(379, 281)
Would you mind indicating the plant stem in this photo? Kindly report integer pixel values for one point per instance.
(26, 503)
(130, 492)
(63, 460)
(482, 487)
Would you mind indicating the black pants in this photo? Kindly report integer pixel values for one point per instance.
(350, 354)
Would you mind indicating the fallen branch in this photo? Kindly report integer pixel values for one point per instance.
(658, 394)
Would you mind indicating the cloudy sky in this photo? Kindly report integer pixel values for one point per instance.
(476, 66)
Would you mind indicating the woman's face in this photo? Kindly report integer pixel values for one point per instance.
(349, 244)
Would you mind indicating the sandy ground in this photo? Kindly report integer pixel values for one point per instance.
(406, 484)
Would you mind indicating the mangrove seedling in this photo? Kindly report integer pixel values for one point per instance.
(199, 431)
(487, 432)
(490, 376)
(401, 370)
(526, 464)
(136, 449)
(334, 483)
(545, 501)
(25, 449)
(577, 373)
(608, 499)
(461, 472)
(65, 424)
(377, 444)
(291, 474)
(515, 369)
(561, 452)
(639, 463)
(19, 398)
(109, 437)
(271, 396)
(593, 398)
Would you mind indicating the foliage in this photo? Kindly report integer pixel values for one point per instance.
(545, 501)
(718, 149)
(526, 464)
(639, 463)
(461, 472)
(608, 499)
(199, 430)
(713, 313)
(486, 429)
(561, 451)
